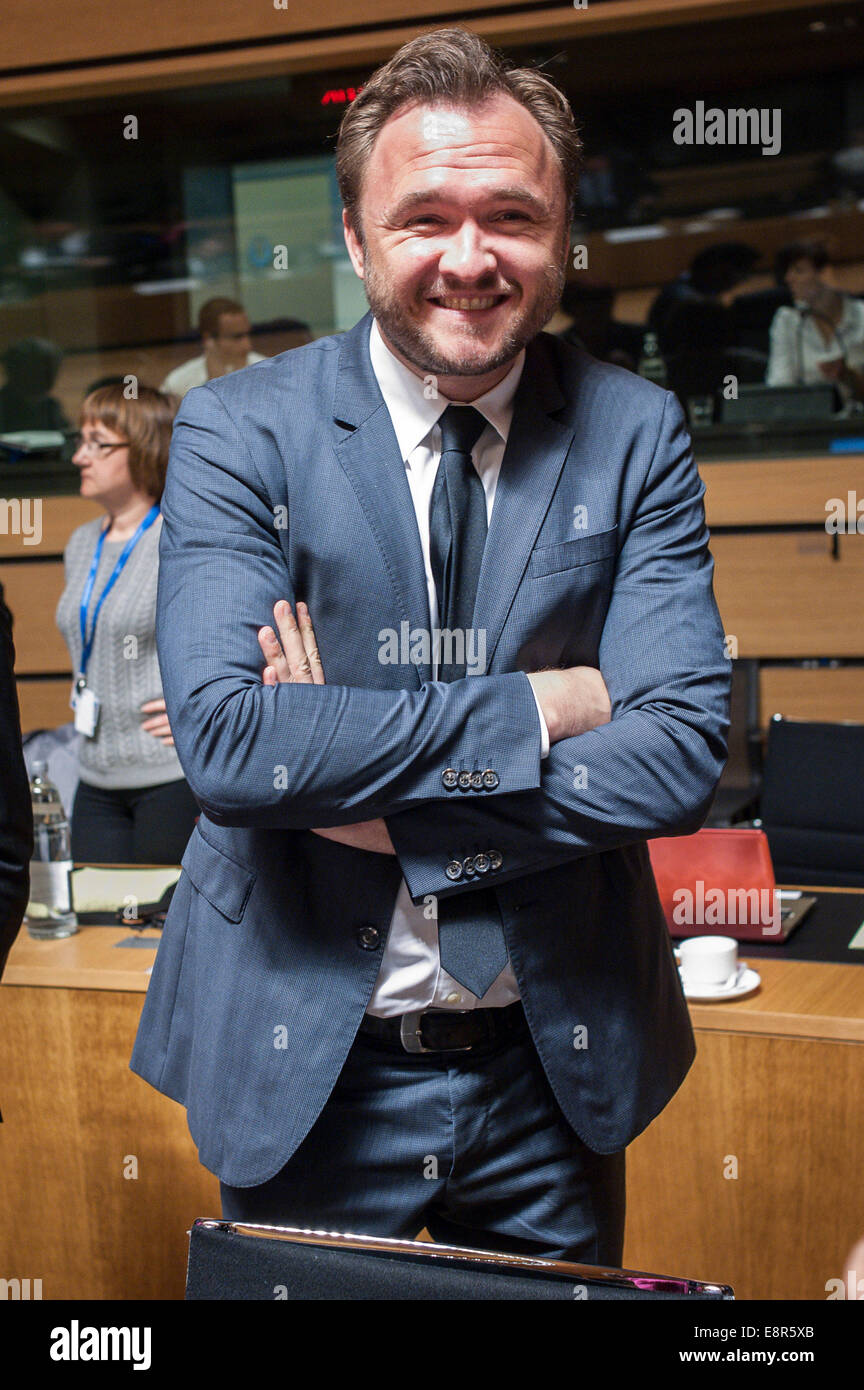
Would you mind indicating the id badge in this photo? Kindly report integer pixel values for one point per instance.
(87, 705)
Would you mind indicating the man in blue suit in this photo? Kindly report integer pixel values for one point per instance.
(415, 971)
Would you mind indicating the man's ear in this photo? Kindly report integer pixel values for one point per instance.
(352, 242)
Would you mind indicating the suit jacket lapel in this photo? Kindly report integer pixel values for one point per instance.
(537, 446)
(370, 456)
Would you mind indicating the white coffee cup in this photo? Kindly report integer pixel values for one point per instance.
(709, 962)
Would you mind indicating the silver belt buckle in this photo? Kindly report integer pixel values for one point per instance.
(411, 1038)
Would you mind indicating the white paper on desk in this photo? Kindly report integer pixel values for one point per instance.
(618, 235)
(104, 890)
(857, 942)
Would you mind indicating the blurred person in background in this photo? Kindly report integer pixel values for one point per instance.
(16, 816)
(224, 327)
(26, 402)
(133, 804)
(821, 338)
(848, 166)
(704, 287)
(281, 335)
(695, 326)
(587, 310)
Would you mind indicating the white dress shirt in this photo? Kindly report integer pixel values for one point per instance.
(195, 373)
(797, 345)
(411, 976)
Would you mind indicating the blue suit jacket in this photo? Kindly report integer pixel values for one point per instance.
(286, 481)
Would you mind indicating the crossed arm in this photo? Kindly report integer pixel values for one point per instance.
(572, 701)
(353, 756)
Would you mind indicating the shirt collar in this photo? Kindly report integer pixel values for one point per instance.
(414, 415)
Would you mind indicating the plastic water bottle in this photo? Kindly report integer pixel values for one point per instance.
(49, 911)
(651, 363)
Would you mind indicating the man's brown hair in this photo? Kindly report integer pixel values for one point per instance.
(146, 422)
(450, 67)
(211, 312)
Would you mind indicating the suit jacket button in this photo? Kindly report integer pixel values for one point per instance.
(496, 859)
(464, 780)
(450, 778)
(454, 870)
(481, 863)
(490, 779)
(468, 865)
(368, 937)
(477, 781)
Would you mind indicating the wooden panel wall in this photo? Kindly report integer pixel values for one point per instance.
(111, 51)
(789, 593)
(784, 593)
(764, 1102)
(32, 593)
(60, 517)
(102, 29)
(80, 1216)
(818, 693)
(32, 580)
(767, 492)
(41, 34)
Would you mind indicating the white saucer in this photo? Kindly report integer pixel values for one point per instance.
(746, 981)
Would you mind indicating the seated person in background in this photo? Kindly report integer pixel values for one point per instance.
(133, 804)
(26, 402)
(695, 325)
(281, 335)
(822, 338)
(848, 166)
(587, 311)
(713, 273)
(225, 329)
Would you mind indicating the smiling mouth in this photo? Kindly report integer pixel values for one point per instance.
(468, 303)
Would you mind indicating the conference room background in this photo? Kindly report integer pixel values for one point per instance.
(147, 170)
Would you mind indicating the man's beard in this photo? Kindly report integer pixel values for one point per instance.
(417, 343)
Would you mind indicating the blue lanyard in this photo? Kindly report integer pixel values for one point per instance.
(87, 645)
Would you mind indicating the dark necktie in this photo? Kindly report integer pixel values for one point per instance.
(470, 934)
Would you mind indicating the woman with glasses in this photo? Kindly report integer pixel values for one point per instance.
(133, 804)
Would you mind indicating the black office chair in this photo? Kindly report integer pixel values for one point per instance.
(737, 795)
(228, 1260)
(812, 803)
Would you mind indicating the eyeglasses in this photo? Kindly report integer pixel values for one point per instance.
(100, 447)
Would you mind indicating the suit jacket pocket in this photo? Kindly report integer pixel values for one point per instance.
(565, 555)
(225, 883)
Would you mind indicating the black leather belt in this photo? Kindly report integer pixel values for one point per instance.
(446, 1030)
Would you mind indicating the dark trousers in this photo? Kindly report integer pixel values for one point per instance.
(132, 825)
(477, 1151)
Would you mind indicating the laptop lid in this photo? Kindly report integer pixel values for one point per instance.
(756, 402)
(719, 882)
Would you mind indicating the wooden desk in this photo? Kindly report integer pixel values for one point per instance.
(777, 1089)
(77, 1120)
(778, 1085)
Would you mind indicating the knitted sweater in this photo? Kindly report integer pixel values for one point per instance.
(123, 670)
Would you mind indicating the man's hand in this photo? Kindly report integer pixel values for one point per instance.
(294, 657)
(832, 370)
(573, 700)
